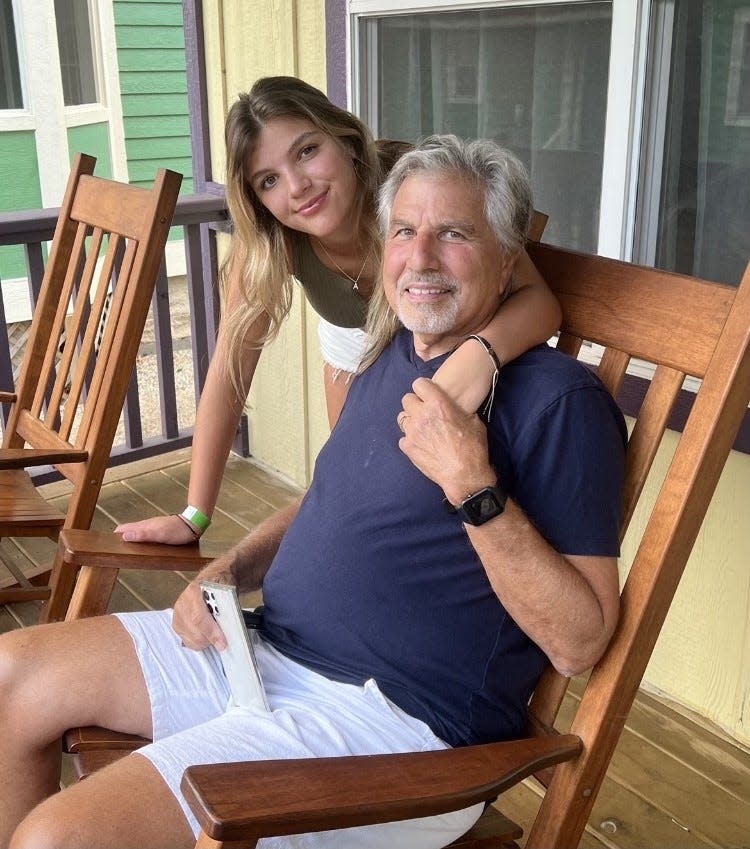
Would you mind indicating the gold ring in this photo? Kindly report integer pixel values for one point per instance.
(402, 417)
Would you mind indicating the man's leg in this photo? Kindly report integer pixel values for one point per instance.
(127, 804)
(54, 677)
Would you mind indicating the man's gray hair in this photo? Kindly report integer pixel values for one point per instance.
(499, 174)
(495, 171)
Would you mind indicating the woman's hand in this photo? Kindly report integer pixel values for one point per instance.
(167, 529)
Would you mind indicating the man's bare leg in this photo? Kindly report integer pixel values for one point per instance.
(54, 677)
(127, 804)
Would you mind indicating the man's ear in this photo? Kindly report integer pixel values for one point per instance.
(507, 272)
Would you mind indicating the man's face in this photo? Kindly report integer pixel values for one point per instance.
(443, 270)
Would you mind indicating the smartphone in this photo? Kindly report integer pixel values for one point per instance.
(238, 659)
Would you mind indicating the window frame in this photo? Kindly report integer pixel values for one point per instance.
(624, 97)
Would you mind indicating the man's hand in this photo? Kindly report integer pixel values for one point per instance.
(446, 444)
(191, 618)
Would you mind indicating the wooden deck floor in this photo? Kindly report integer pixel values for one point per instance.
(674, 781)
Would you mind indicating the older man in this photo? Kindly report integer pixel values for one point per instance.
(411, 599)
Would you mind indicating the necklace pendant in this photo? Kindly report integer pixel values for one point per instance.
(355, 286)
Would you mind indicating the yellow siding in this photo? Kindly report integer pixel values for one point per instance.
(702, 658)
(247, 39)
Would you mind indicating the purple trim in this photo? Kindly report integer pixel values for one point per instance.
(336, 51)
(195, 66)
(633, 391)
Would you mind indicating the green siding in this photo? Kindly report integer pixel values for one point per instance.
(19, 179)
(153, 85)
(137, 60)
(150, 38)
(148, 104)
(156, 127)
(167, 82)
(94, 140)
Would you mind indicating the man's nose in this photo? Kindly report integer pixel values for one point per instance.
(424, 255)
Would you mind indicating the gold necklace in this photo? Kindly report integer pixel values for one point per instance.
(354, 280)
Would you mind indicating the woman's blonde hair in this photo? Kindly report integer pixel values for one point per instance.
(260, 251)
(497, 172)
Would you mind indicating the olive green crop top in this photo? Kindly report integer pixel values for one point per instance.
(330, 294)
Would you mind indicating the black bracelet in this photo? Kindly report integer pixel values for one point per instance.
(487, 407)
(487, 347)
(187, 524)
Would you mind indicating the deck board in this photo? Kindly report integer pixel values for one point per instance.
(674, 781)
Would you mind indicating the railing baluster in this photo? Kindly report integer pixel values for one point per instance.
(164, 355)
(199, 216)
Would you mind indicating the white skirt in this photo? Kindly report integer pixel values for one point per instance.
(341, 347)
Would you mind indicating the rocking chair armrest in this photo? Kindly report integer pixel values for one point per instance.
(7, 397)
(89, 738)
(245, 801)
(98, 548)
(21, 458)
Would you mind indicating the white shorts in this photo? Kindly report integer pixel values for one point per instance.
(341, 347)
(311, 716)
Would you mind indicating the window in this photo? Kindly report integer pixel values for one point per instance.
(533, 79)
(76, 53)
(11, 96)
(693, 209)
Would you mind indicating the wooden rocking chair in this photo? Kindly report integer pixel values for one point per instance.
(683, 326)
(104, 258)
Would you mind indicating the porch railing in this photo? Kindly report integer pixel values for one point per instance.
(199, 216)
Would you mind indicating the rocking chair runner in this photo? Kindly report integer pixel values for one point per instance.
(683, 326)
(105, 255)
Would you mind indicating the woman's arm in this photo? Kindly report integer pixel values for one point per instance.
(527, 317)
(216, 420)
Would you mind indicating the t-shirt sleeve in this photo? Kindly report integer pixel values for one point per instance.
(569, 472)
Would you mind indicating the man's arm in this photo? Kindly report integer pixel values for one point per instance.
(568, 605)
(243, 566)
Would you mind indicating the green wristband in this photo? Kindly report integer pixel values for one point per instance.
(197, 519)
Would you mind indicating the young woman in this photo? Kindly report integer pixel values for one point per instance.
(302, 181)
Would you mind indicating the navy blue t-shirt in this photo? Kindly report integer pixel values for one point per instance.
(375, 579)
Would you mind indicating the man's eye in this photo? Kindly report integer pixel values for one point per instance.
(403, 233)
(453, 234)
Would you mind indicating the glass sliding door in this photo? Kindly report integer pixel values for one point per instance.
(693, 208)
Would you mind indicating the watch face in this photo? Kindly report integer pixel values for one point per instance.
(483, 506)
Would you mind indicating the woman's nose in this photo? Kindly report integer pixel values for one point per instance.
(299, 182)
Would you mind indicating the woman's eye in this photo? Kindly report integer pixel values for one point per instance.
(307, 150)
(267, 183)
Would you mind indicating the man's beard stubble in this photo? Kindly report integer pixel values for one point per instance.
(428, 319)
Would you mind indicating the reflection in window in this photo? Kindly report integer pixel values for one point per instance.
(533, 79)
(76, 54)
(701, 158)
(11, 96)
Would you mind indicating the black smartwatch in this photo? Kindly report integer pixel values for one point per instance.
(480, 507)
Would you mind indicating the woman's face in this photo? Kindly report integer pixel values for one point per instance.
(304, 177)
